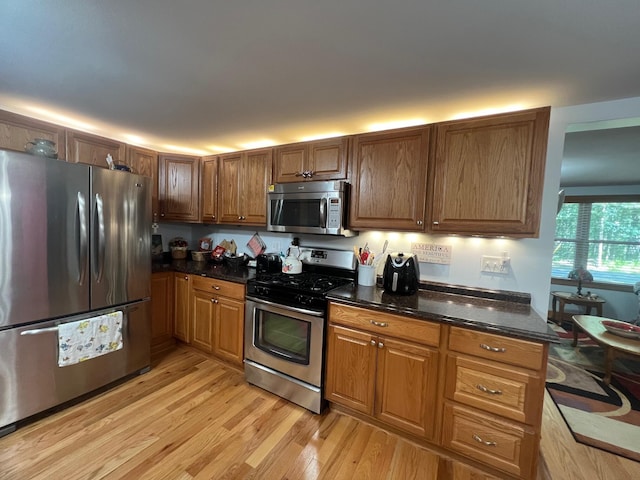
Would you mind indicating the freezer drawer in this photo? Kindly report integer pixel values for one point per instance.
(31, 381)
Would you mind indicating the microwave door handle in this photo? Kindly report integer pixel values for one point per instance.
(323, 212)
(278, 213)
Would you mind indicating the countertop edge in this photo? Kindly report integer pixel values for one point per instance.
(549, 337)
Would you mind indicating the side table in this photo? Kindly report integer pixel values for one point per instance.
(564, 298)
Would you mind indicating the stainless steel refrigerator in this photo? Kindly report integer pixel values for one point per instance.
(74, 244)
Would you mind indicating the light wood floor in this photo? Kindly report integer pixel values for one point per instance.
(194, 418)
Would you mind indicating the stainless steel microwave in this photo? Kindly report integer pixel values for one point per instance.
(309, 207)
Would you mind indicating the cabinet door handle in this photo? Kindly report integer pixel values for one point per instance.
(380, 345)
(484, 389)
(309, 173)
(186, 277)
(493, 349)
(373, 343)
(436, 223)
(480, 440)
(419, 222)
(214, 300)
(379, 324)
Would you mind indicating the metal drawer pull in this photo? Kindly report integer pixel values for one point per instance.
(479, 440)
(493, 349)
(484, 389)
(215, 287)
(379, 324)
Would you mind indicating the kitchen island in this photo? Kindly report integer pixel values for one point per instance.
(458, 370)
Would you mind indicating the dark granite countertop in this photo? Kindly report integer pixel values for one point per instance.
(206, 269)
(499, 312)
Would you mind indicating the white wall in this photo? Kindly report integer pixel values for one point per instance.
(530, 258)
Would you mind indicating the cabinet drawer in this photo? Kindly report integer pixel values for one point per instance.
(497, 389)
(503, 445)
(219, 287)
(424, 332)
(513, 351)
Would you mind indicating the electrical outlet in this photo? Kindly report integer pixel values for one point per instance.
(276, 247)
(491, 264)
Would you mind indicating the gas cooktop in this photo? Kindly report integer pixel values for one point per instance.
(307, 282)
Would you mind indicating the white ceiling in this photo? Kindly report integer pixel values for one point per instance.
(217, 75)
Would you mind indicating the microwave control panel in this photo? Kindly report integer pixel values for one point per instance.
(334, 213)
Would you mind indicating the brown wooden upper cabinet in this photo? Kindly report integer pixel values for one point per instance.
(488, 174)
(93, 150)
(17, 130)
(178, 188)
(209, 189)
(390, 179)
(145, 162)
(318, 160)
(243, 179)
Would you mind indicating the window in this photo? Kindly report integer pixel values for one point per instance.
(601, 234)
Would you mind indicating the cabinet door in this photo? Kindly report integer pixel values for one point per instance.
(229, 183)
(407, 377)
(92, 149)
(256, 177)
(228, 342)
(488, 174)
(17, 130)
(203, 307)
(161, 311)
(178, 185)
(145, 162)
(182, 289)
(328, 159)
(390, 180)
(289, 162)
(351, 368)
(209, 190)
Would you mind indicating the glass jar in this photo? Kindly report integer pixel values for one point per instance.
(41, 146)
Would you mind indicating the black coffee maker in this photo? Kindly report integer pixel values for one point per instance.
(401, 274)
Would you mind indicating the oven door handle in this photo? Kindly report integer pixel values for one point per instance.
(279, 307)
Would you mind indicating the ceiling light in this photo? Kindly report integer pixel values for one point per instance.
(488, 111)
(192, 151)
(258, 144)
(322, 136)
(375, 127)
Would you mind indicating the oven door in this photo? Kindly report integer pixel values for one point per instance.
(286, 339)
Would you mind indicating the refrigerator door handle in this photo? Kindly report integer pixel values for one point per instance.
(38, 331)
(99, 229)
(83, 247)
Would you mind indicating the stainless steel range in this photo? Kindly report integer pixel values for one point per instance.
(285, 324)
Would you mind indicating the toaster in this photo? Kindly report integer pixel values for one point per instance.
(268, 263)
(401, 274)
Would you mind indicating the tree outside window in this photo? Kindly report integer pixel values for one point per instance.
(600, 234)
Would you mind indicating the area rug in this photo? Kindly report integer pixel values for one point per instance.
(601, 416)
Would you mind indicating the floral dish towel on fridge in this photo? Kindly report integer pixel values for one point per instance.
(89, 338)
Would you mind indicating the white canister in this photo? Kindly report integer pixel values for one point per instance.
(366, 275)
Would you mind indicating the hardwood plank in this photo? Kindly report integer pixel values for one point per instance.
(193, 417)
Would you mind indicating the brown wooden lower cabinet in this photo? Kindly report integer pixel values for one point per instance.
(215, 317)
(388, 378)
(507, 446)
(162, 284)
(182, 291)
(444, 386)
